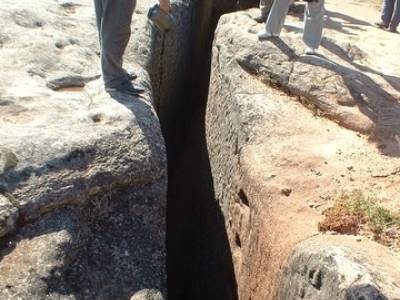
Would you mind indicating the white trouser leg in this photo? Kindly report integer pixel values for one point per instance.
(313, 23)
(277, 16)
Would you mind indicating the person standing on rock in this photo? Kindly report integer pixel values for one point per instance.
(265, 8)
(114, 19)
(313, 22)
(390, 16)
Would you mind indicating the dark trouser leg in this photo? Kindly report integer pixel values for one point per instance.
(265, 7)
(114, 20)
(396, 16)
(387, 11)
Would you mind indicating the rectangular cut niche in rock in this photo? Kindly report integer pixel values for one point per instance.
(243, 197)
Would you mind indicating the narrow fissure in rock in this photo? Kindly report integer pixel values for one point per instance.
(199, 256)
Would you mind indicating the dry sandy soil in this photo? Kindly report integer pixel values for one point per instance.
(372, 51)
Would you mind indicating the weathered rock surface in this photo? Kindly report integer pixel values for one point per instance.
(147, 295)
(275, 159)
(178, 61)
(36, 258)
(82, 173)
(343, 94)
(334, 268)
(8, 215)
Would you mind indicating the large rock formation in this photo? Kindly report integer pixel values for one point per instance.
(284, 131)
(113, 144)
(178, 61)
(82, 173)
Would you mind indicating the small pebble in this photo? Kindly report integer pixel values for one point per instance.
(59, 45)
(286, 191)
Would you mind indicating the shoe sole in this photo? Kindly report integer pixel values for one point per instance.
(381, 26)
(123, 91)
(268, 38)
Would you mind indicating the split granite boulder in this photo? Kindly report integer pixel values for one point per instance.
(82, 173)
(284, 132)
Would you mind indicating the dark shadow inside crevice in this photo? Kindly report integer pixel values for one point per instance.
(364, 292)
(199, 256)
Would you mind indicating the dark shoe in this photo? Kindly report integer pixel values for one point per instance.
(381, 25)
(126, 88)
(393, 29)
(260, 19)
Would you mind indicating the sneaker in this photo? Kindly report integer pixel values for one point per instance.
(381, 25)
(126, 88)
(310, 51)
(264, 35)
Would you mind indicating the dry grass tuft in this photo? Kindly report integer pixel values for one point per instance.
(355, 213)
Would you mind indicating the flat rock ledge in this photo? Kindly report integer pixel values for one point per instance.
(346, 95)
(87, 179)
(82, 173)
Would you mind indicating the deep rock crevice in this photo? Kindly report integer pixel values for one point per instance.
(200, 248)
(85, 218)
(199, 257)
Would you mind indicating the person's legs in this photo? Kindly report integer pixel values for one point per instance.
(265, 8)
(115, 31)
(98, 6)
(276, 18)
(394, 23)
(313, 24)
(387, 12)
